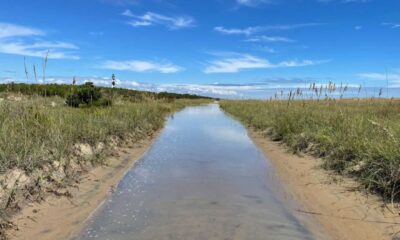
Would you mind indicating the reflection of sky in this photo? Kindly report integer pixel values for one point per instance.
(209, 111)
(227, 134)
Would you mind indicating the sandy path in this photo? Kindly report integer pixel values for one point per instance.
(343, 213)
(60, 217)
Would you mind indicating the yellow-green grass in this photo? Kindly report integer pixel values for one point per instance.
(35, 131)
(39, 136)
(360, 138)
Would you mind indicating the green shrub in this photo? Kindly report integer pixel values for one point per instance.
(87, 94)
(73, 100)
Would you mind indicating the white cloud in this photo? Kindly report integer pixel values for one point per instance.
(393, 79)
(344, 1)
(380, 76)
(122, 2)
(252, 3)
(237, 31)
(150, 19)
(14, 38)
(240, 62)
(392, 25)
(141, 66)
(127, 13)
(355, 1)
(256, 29)
(52, 45)
(264, 38)
(12, 30)
(39, 49)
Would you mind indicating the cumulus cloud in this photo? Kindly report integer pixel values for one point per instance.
(141, 66)
(238, 62)
(151, 19)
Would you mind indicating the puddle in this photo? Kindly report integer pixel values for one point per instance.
(202, 179)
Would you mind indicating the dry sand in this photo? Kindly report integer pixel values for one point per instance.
(60, 217)
(343, 212)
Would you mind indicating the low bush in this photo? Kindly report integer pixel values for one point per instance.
(87, 94)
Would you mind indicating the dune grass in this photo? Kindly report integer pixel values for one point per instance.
(360, 138)
(35, 131)
(42, 139)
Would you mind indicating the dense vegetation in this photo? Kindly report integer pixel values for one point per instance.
(87, 94)
(63, 90)
(34, 132)
(360, 138)
(37, 130)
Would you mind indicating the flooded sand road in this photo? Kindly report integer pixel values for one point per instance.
(202, 179)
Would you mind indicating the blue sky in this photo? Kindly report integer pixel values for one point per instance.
(214, 47)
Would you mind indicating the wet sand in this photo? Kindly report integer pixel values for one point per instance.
(344, 212)
(59, 217)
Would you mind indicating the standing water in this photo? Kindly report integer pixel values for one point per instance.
(202, 179)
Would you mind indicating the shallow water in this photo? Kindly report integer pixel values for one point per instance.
(202, 179)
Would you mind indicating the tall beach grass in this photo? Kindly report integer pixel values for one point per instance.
(45, 144)
(35, 131)
(359, 138)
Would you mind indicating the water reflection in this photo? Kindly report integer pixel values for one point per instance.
(202, 179)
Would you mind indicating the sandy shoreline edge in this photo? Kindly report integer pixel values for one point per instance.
(61, 217)
(343, 212)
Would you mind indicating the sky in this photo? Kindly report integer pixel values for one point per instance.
(224, 48)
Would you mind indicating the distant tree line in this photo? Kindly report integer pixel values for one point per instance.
(65, 90)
